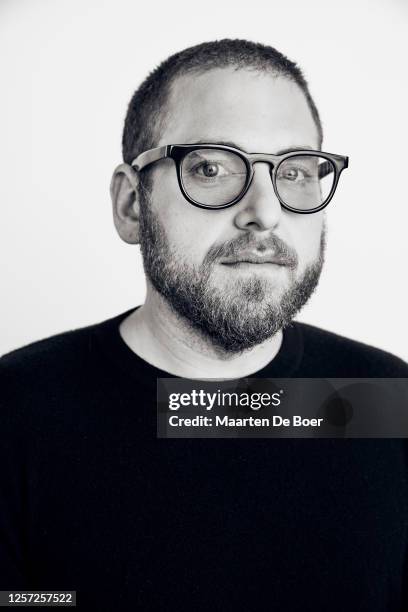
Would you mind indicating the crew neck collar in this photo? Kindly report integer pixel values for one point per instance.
(283, 365)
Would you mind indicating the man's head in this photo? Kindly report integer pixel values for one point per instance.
(253, 97)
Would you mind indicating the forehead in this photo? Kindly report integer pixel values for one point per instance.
(258, 111)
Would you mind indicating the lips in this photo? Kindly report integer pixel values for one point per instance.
(255, 258)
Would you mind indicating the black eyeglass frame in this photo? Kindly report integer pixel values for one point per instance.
(179, 152)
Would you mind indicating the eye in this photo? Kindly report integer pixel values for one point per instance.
(293, 174)
(209, 169)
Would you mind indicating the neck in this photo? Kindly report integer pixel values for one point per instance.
(169, 342)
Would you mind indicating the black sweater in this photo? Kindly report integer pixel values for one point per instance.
(91, 500)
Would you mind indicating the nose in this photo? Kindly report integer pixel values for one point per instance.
(259, 209)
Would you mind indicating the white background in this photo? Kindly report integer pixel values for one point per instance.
(68, 69)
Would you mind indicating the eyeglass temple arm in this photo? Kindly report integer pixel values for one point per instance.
(326, 167)
(148, 157)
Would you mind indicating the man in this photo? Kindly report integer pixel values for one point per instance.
(224, 186)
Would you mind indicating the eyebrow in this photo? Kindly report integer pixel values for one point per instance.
(229, 143)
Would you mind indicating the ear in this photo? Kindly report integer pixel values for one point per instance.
(125, 203)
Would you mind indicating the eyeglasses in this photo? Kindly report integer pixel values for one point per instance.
(218, 176)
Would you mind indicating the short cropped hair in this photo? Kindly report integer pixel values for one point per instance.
(147, 108)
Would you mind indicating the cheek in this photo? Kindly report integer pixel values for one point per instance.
(169, 205)
(307, 237)
(191, 231)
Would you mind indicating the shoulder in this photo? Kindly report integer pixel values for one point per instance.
(69, 349)
(61, 366)
(62, 350)
(34, 379)
(348, 357)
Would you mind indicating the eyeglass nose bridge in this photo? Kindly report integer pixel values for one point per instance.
(267, 158)
(255, 158)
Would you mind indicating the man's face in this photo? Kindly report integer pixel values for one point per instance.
(187, 251)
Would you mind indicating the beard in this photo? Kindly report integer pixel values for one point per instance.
(242, 313)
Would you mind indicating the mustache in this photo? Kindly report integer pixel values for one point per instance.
(273, 243)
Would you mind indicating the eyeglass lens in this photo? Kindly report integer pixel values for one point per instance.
(305, 182)
(215, 177)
